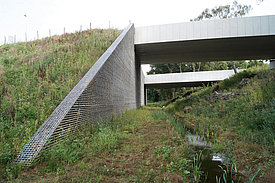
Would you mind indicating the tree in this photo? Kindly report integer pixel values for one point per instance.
(233, 10)
(253, 63)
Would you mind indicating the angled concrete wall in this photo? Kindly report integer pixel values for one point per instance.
(111, 86)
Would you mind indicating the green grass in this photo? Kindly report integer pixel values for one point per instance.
(36, 76)
(243, 124)
(136, 146)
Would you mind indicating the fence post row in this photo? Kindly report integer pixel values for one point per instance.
(26, 36)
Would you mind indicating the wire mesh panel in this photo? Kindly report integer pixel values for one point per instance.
(111, 86)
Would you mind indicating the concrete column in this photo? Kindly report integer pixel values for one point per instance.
(145, 96)
(272, 63)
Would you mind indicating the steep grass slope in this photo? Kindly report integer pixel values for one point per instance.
(36, 76)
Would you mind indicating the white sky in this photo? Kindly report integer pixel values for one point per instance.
(43, 15)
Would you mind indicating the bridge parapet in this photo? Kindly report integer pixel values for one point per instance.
(207, 29)
(248, 38)
(186, 79)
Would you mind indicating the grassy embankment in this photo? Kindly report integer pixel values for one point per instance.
(142, 145)
(138, 146)
(242, 126)
(36, 76)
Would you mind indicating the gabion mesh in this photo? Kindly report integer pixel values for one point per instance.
(111, 86)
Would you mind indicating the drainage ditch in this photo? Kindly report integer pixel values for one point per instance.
(213, 164)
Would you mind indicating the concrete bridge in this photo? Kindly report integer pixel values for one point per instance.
(186, 79)
(116, 83)
(210, 40)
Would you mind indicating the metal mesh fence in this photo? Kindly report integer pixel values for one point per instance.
(112, 85)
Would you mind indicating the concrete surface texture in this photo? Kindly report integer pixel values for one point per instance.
(111, 86)
(272, 63)
(208, 40)
(187, 79)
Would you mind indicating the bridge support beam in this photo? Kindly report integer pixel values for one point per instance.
(272, 63)
(145, 96)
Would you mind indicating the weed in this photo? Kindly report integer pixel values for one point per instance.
(149, 174)
(108, 171)
(165, 151)
(197, 166)
(177, 140)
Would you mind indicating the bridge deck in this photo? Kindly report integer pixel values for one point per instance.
(210, 40)
(187, 79)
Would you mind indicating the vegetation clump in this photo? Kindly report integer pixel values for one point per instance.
(242, 125)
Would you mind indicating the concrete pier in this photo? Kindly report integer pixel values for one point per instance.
(272, 63)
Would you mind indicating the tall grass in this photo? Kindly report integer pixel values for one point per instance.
(36, 76)
(95, 139)
(245, 121)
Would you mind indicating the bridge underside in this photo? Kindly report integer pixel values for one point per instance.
(205, 50)
(178, 85)
(186, 79)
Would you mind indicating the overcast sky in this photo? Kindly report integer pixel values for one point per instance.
(42, 15)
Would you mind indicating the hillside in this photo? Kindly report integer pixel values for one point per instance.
(36, 76)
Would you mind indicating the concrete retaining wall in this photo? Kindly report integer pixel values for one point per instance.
(111, 86)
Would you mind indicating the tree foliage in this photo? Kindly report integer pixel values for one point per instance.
(188, 67)
(233, 10)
